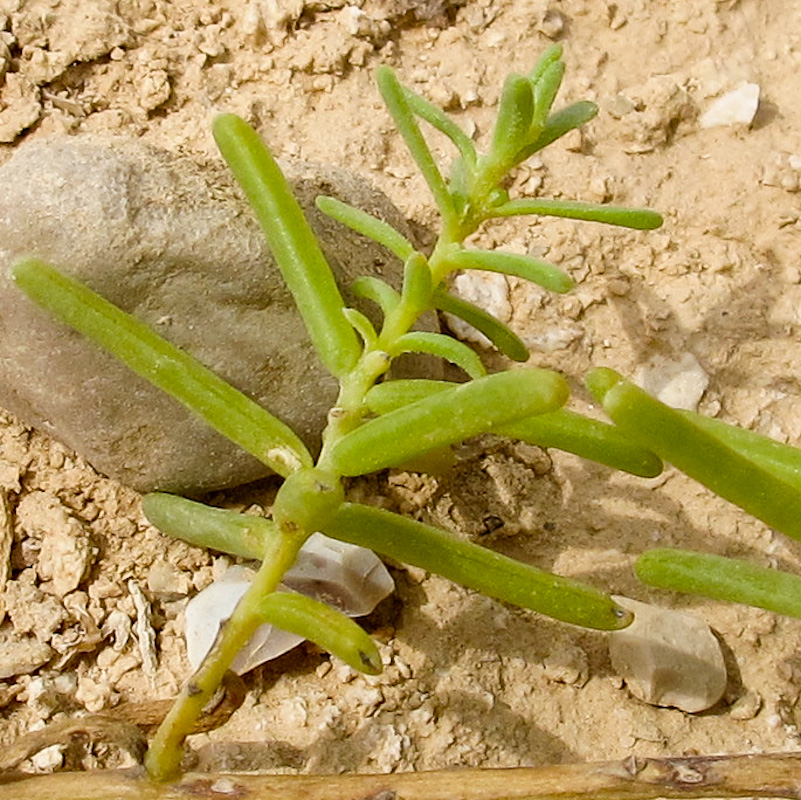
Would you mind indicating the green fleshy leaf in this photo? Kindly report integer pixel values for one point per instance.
(367, 225)
(417, 283)
(200, 525)
(361, 325)
(545, 91)
(699, 454)
(437, 344)
(506, 340)
(721, 578)
(562, 429)
(549, 56)
(392, 395)
(512, 126)
(637, 218)
(589, 438)
(531, 269)
(292, 242)
(443, 123)
(323, 625)
(558, 124)
(394, 96)
(449, 417)
(782, 460)
(476, 567)
(172, 370)
(378, 291)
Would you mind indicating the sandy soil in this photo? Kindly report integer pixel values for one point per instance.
(468, 681)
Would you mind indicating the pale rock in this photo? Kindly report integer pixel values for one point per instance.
(679, 383)
(21, 655)
(171, 240)
(737, 107)
(487, 290)
(668, 658)
(66, 552)
(49, 759)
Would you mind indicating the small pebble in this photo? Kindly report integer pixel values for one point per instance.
(668, 658)
(737, 107)
(678, 382)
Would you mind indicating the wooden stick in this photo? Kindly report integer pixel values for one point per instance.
(765, 776)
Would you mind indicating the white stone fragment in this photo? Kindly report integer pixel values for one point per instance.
(348, 577)
(668, 658)
(677, 383)
(49, 759)
(487, 290)
(145, 635)
(21, 655)
(737, 107)
(207, 610)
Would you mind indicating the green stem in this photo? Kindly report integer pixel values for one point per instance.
(163, 759)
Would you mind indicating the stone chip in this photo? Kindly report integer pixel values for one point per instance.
(668, 658)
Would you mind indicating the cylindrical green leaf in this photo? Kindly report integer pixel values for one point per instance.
(443, 123)
(531, 269)
(205, 526)
(506, 340)
(292, 242)
(722, 579)
(636, 218)
(452, 416)
(673, 437)
(780, 459)
(367, 225)
(225, 409)
(515, 114)
(380, 292)
(546, 88)
(437, 344)
(394, 96)
(323, 625)
(551, 54)
(362, 326)
(394, 394)
(476, 567)
(558, 124)
(585, 437)
(565, 430)
(417, 284)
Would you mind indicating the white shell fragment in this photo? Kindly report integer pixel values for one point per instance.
(679, 383)
(348, 577)
(737, 107)
(668, 658)
(345, 576)
(210, 608)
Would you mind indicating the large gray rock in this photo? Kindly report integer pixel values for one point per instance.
(173, 241)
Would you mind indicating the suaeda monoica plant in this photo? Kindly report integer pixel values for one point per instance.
(379, 422)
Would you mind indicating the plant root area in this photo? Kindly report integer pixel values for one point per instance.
(93, 598)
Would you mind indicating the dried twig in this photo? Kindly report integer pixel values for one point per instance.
(766, 776)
